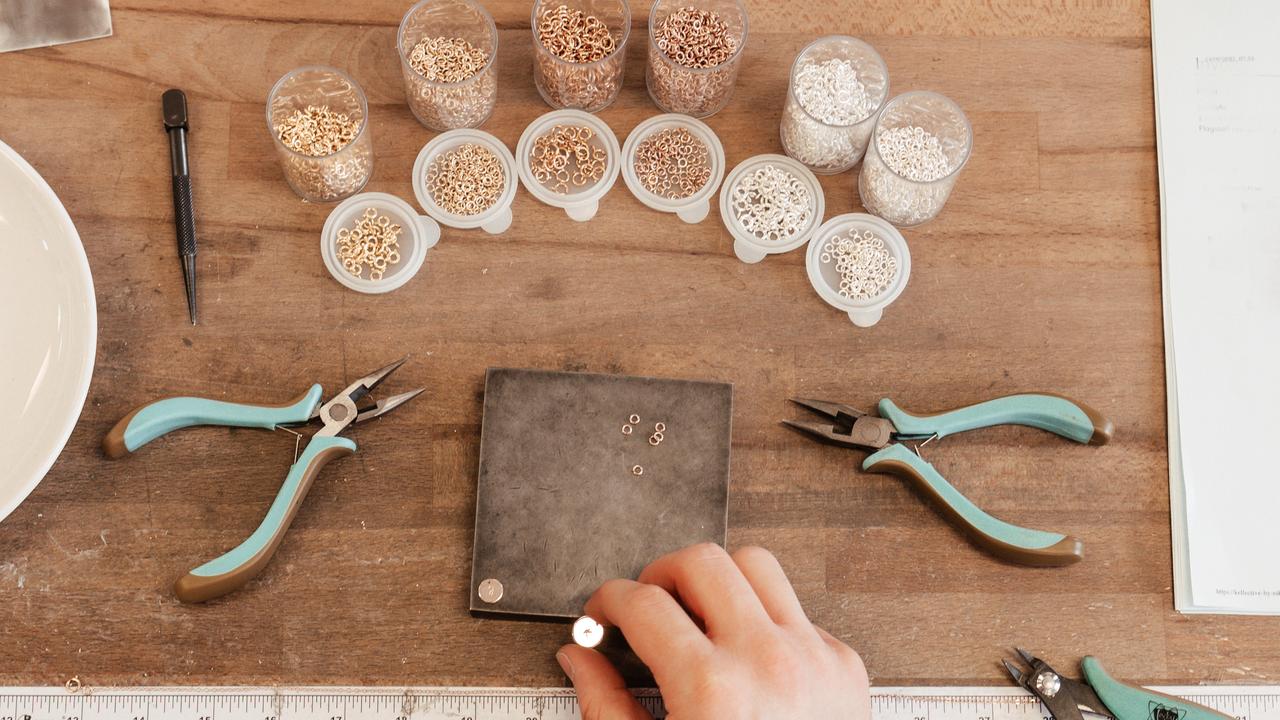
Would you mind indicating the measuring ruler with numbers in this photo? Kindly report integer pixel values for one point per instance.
(423, 703)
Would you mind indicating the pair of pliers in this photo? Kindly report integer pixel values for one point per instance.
(1100, 695)
(884, 436)
(239, 565)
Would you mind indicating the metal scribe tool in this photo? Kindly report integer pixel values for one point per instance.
(175, 124)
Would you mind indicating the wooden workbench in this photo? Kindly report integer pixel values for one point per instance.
(1042, 273)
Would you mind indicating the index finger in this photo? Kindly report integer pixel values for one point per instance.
(658, 630)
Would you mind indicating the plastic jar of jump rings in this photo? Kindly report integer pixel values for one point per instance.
(921, 142)
(580, 51)
(838, 84)
(319, 120)
(695, 50)
(447, 58)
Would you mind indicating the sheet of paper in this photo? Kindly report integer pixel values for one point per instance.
(1217, 73)
(26, 24)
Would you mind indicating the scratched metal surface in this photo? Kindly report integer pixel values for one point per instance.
(559, 508)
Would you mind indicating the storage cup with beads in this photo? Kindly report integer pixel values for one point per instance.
(569, 159)
(580, 51)
(374, 242)
(466, 178)
(859, 264)
(673, 163)
(319, 119)
(695, 50)
(921, 142)
(447, 58)
(838, 83)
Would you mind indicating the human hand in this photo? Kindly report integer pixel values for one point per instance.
(758, 656)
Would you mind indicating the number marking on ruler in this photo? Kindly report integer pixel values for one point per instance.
(426, 703)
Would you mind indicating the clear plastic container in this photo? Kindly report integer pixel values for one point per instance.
(497, 217)
(445, 106)
(748, 246)
(332, 177)
(419, 234)
(830, 147)
(589, 86)
(697, 92)
(826, 280)
(695, 207)
(895, 197)
(582, 203)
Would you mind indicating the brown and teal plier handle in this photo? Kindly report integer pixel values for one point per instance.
(233, 569)
(1054, 413)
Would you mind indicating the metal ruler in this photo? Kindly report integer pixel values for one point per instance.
(427, 703)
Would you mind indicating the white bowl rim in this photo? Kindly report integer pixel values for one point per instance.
(86, 371)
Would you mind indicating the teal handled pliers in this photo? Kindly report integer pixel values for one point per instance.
(238, 566)
(884, 436)
(1100, 695)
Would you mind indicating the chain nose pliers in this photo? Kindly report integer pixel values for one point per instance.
(883, 436)
(239, 565)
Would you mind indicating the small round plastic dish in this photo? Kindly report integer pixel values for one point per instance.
(497, 217)
(419, 233)
(579, 203)
(750, 247)
(693, 208)
(826, 281)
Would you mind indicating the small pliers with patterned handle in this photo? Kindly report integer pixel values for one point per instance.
(1100, 695)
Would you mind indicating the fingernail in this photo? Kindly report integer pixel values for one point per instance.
(565, 664)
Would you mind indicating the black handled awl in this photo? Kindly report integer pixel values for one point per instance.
(175, 124)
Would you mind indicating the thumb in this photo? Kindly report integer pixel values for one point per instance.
(602, 693)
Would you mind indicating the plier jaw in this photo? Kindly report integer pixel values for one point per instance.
(851, 428)
(343, 409)
(1066, 698)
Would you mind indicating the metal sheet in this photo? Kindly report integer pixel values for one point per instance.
(558, 507)
(38, 23)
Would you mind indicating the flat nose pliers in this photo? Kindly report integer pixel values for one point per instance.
(884, 436)
(239, 565)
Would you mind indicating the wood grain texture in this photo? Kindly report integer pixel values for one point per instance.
(1042, 273)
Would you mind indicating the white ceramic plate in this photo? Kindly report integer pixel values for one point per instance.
(48, 328)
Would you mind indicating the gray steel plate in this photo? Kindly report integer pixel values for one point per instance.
(558, 507)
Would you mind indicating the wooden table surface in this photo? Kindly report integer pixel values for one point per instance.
(1042, 273)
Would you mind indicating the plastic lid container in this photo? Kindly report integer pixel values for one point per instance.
(497, 217)
(746, 245)
(695, 207)
(826, 281)
(419, 234)
(582, 203)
